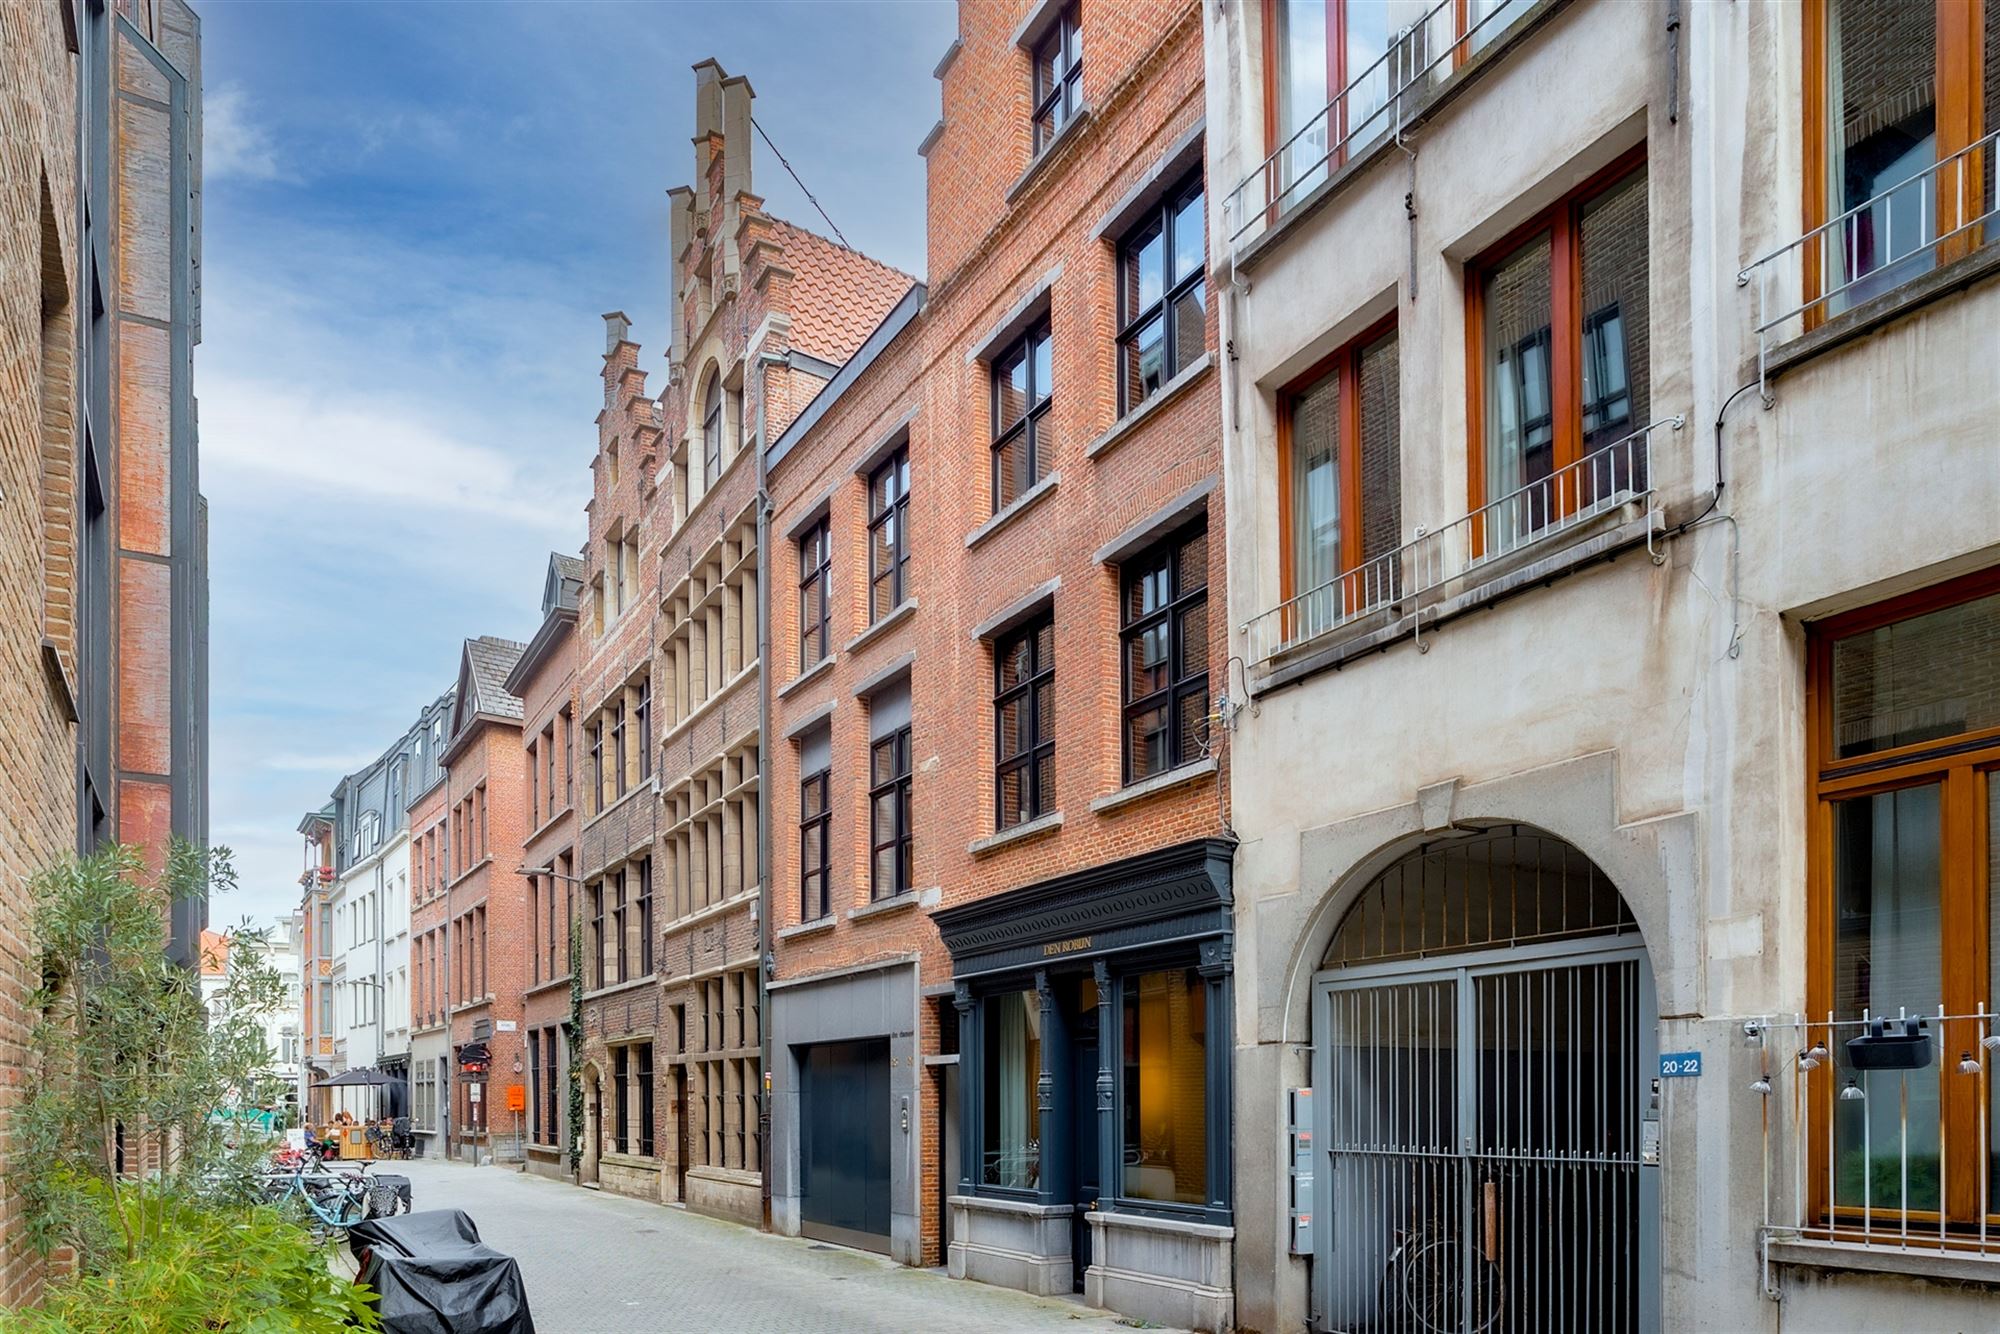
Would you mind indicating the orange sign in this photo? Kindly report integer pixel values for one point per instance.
(517, 1098)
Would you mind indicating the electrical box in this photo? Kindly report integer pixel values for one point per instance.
(1302, 1171)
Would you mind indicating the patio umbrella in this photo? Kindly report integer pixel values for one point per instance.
(366, 1076)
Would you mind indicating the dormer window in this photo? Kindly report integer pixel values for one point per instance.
(1058, 64)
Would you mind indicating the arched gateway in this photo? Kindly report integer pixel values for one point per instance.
(1486, 1123)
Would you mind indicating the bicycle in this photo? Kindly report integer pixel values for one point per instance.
(335, 1201)
(1424, 1281)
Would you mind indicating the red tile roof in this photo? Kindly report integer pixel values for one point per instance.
(838, 295)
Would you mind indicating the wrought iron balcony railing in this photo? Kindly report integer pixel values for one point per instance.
(1873, 248)
(1878, 1151)
(1427, 567)
(1376, 103)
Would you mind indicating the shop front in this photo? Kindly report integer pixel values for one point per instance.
(1094, 1026)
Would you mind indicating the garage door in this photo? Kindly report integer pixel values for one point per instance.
(844, 1144)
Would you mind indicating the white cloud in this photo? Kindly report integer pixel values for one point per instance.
(234, 142)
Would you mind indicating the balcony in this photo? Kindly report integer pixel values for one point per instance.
(1375, 108)
(1918, 238)
(1439, 573)
(1876, 1161)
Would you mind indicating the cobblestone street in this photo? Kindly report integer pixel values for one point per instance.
(597, 1263)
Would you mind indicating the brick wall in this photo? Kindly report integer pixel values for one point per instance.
(37, 280)
(1143, 85)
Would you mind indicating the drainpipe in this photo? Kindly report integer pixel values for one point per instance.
(765, 362)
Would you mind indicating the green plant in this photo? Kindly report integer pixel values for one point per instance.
(575, 1048)
(129, 1148)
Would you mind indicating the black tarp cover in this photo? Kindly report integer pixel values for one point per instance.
(432, 1275)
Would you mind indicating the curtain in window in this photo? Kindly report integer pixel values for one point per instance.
(1881, 99)
(1013, 1064)
(1315, 488)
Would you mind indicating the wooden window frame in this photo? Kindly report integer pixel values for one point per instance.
(815, 594)
(1173, 286)
(1961, 766)
(1035, 409)
(1065, 36)
(643, 906)
(1562, 221)
(1961, 114)
(1346, 363)
(816, 887)
(889, 504)
(1037, 753)
(899, 835)
(1173, 614)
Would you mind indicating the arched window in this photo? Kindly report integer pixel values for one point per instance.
(711, 430)
(1505, 886)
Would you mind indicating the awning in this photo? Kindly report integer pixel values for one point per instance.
(361, 1077)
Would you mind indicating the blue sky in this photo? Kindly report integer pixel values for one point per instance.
(414, 215)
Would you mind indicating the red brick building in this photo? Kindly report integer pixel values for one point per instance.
(545, 681)
(430, 944)
(1062, 769)
(103, 540)
(486, 905)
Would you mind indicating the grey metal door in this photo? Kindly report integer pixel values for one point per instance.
(1480, 1128)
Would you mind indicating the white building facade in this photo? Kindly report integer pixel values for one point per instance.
(1611, 748)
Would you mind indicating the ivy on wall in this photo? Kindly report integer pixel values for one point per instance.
(575, 1026)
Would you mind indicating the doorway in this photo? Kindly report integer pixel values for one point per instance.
(844, 1173)
(1484, 1041)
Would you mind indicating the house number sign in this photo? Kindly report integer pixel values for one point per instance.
(1680, 1064)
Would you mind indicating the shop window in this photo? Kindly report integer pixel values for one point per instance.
(1011, 1155)
(1165, 1092)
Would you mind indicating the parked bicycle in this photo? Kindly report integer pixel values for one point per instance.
(333, 1201)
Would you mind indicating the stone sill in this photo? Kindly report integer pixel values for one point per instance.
(1871, 315)
(631, 795)
(731, 1176)
(1049, 152)
(628, 1160)
(999, 1205)
(1045, 824)
(468, 873)
(1121, 429)
(892, 618)
(1165, 781)
(748, 894)
(567, 808)
(1932, 1264)
(813, 672)
(909, 898)
(701, 710)
(1538, 563)
(546, 1150)
(473, 1004)
(618, 987)
(1022, 504)
(812, 928)
(550, 985)
(1116, 1217)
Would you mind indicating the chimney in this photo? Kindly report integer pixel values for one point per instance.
(617, 329)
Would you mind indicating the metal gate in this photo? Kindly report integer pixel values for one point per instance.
(1480, 1140)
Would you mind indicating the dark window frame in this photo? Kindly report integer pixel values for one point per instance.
(1027, 432)
(889, 506)
(1163, 557)
(1173, 286)
(643, 906)
(711, 434)
(1036, 755)
(596, 892)
(816, 824)
(644, 719)
(815, 594)
(899, 837)
(1056, 101)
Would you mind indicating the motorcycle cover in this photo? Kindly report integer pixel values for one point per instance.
(432, 1275)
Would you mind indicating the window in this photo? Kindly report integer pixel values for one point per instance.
(888, 535)
(598, 943)
(1372, 49)
(1892, 91)
(1162, 316)
(1164, 1042)
(644, 1064)
(644, 711)
(535, 1081)
(1164, 645)
(1024, 737)
(595, 731)
(1340, 479)
(815, 832)
(889, 815)
(617, 948)
(1905, 761)
(618, 747)
(1058, 83)
(621, 1099)
(550, 1121)
(1559, 315)
(1011, 1152)
(1023, 379)
(549, 771)
(711, 433)
(643, 918)
(815, 593)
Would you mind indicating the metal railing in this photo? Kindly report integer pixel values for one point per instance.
(1873, 248)
(1863, 1157)
(1375, 102)
(1617, 474)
